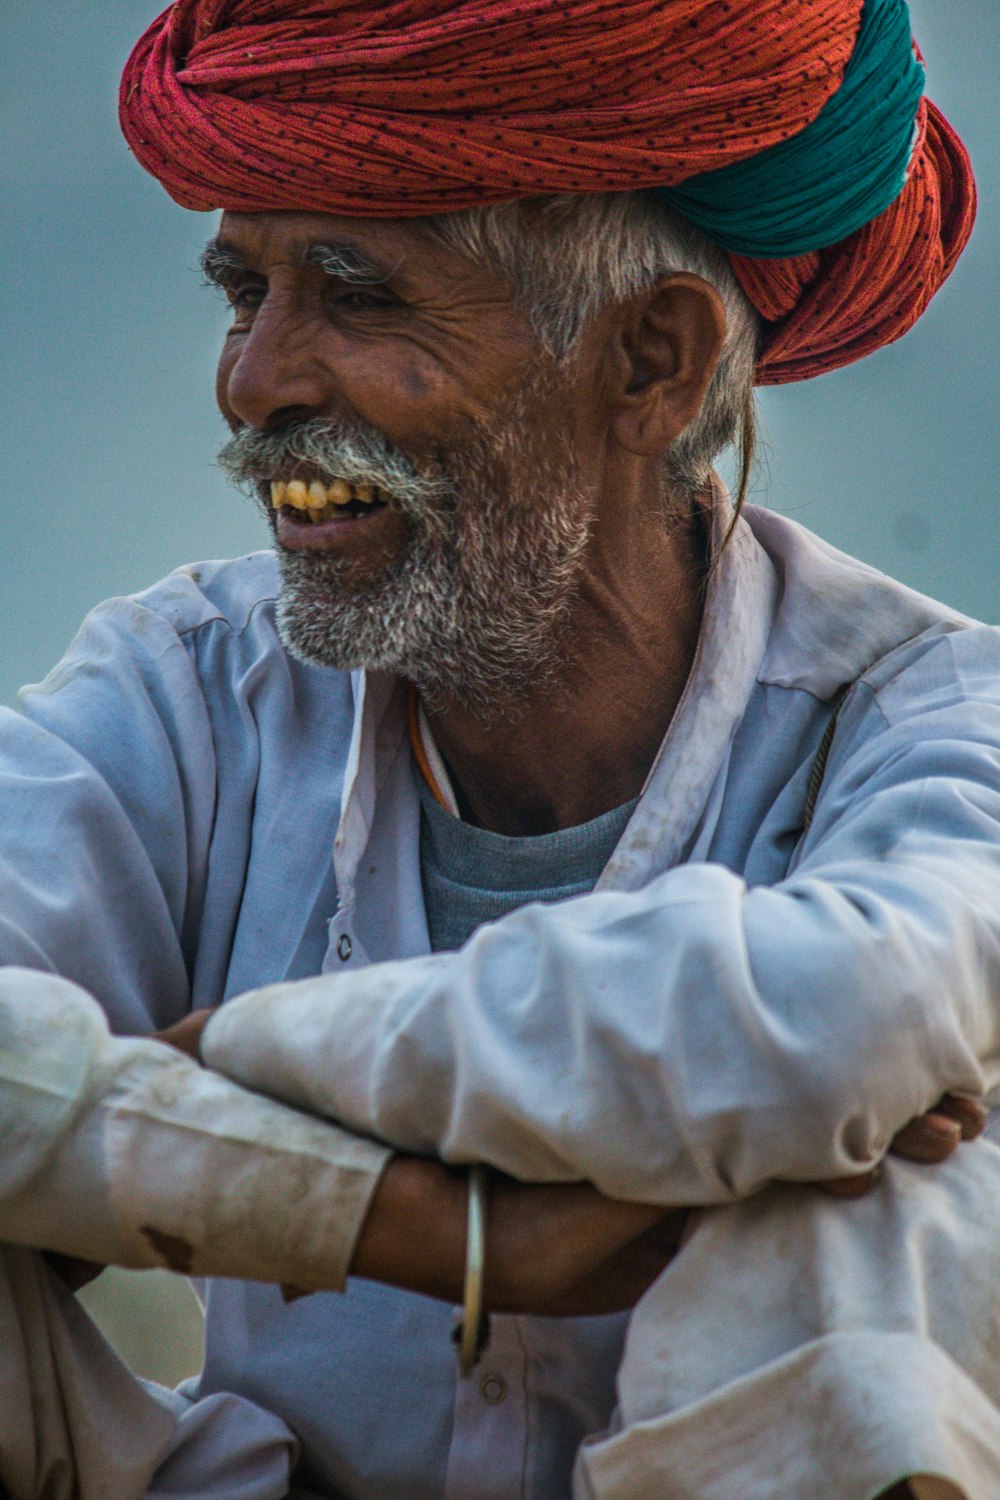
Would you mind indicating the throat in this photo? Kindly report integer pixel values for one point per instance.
(583, 742)
(556, 765)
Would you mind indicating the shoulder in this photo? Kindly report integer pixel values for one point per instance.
(147, 631)
(194, 659)
(154, 644)
(838, 621)
(227, 593)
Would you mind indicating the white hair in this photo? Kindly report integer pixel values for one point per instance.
(568, 256)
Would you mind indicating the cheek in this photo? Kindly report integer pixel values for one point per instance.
(416, 383)
(407, 398)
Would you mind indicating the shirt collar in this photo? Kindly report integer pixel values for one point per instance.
(740, 601)
(739, 609)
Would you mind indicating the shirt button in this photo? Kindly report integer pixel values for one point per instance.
(493, 1388)
(343, 947)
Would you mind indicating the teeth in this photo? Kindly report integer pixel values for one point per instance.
(316, 498)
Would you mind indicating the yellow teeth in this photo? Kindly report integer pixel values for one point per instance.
(319, 500)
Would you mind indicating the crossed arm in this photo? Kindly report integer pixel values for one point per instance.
(124, 1150)
(781, 1033)
(686, 1043)
(680, 1045)
(554, 1248)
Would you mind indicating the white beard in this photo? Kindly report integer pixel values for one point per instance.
(477, 603)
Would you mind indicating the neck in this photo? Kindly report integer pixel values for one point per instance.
(583, 741)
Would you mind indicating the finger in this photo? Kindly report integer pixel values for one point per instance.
(929, 1138)
(185, 1034)
(850, 1187)
(969, 1113)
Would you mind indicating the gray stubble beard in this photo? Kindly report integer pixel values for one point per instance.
(478, 605)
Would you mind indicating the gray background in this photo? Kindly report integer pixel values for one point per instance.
(110, 430)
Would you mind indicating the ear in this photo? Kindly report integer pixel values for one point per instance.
(666, 348)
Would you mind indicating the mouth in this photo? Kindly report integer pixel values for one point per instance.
(313, 502)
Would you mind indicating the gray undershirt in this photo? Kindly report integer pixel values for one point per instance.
(471, 876)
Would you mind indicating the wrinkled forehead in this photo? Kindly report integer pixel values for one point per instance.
(406, 253)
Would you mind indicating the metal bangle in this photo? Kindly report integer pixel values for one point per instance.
(472, 1334)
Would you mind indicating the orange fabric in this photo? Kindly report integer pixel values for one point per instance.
(423, 106)
(830, 308)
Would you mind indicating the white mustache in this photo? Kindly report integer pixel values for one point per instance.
(358, 454)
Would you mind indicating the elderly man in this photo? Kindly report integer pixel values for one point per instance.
(608, 833)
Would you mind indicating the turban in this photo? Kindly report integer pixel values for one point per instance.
(794, 133)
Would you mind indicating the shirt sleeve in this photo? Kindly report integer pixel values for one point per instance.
(690, 1041)
(108, 790)
(126, 1151)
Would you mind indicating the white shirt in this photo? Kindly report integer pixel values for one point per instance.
(733, 1003)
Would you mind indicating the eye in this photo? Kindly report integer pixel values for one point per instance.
(363, 299)
(244, 297)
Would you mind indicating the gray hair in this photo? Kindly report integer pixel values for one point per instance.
(567, 256)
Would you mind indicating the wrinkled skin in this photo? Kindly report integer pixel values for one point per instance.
(427, 355)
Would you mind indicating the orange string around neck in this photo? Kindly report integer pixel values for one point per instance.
(417, 746)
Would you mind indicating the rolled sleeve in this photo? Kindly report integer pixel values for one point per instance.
(128, 1152)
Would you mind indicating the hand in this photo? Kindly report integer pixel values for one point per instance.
(565, 1250)
(551, 1248)
(185, 1034)
(929, 1138)
(571, 1273)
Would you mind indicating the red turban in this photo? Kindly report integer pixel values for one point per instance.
(423, 106)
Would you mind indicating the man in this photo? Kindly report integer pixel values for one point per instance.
(487, 438)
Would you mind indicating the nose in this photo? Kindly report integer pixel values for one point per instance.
(271, 374)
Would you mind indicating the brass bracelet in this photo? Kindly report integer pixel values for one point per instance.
(472, 1334)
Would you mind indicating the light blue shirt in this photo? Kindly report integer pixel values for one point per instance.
(743, 1003)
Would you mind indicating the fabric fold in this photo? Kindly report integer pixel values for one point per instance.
(428, 106)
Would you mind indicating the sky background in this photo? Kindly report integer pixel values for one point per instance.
(109, 341)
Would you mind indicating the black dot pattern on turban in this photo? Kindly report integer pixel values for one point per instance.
(423, 106)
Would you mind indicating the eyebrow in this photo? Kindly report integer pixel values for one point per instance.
(221, 263)
(346, 263)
